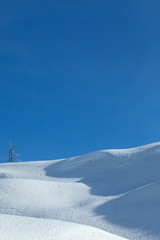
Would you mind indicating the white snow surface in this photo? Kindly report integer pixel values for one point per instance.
(104, 195)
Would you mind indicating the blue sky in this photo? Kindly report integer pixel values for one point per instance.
(78, 76)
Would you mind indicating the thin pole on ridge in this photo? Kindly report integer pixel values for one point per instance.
(11, 153)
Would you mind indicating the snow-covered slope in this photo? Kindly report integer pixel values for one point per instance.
(78, 198)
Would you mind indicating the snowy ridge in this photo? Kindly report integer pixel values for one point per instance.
(132, 150)
(83, 197)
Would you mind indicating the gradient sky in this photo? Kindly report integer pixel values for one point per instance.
(78, 76)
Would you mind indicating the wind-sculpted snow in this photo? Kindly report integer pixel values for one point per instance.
(112, 172)
(113, 190)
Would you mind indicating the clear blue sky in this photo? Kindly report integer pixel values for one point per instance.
(78, 76)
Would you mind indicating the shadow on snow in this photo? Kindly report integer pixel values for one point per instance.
(109, 174)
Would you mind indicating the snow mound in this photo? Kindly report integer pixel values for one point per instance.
(24, 228)
(112, 172)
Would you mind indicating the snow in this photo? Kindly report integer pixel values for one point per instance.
(108, 194)
(15, 227)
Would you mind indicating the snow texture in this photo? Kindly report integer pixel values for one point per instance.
(109, 194)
